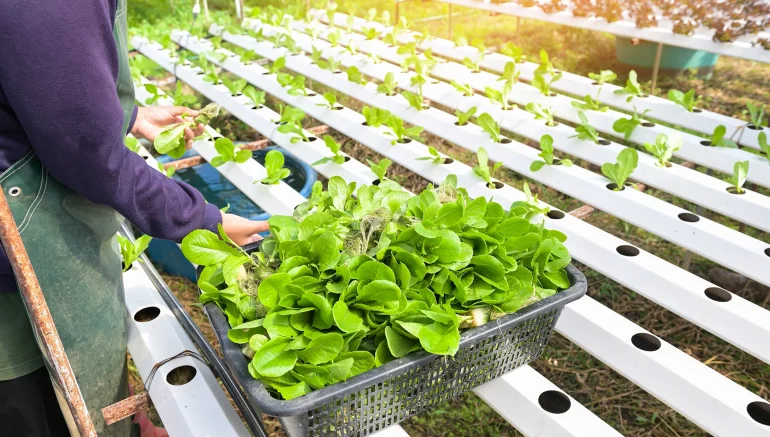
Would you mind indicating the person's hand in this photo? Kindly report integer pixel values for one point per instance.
(242, 231)
(151, 120)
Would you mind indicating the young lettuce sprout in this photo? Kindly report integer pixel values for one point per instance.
(132, 144)
(316, 54)
(376, 117)
(483, 171)
(274, 165)
(379, 169)
(415, 100)
(545, 67)
(460, 41)
(330, 101)
(156, 94)
(541, 113)
(491, 127)
(408, 48)
(385, 18)
(464, 88)
(288, 42)
(434, 157)
(370, 33)
(373, 57)
(763, 145)
(664, 148)
(619, 171)
(464, 116)
(685, 100)
(332, 64)
(391, 38)
(334, 38)
(604, 76)
(211, 75)
(332, 145)
(530, 204)
(632, 88)
(132, 251)
(402, 134)
(256, 97)
(589, 104)
(355, 76)
(181, 98)
(544, 84)
(168, 171)
(585, 131)
(500, 97)
(513, 51)
(276, 66)
(626, 126)
(170, 140)
(295, 84)
(228, 152)
(718, 139)
(352, 48)
(388, 87)
(293, 124)
(740, 172)
(510, 74)
(234, 86)
(757, 114)
(546, 152)
(473, 64)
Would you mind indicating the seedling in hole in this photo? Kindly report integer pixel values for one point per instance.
(211, 75)
(464, 116)
(228, 152)
(435, 157)
(350, 22)
(181, 98)
(257, 98)
(373, 57)
(288, 114)
(355, 76)
(541, 113)
(604, 76)
(463, 88)
(401, 133)
(664, 148)
(313, 32)
(686, 100)
(132, 251)
(132, 144)
(330, 101)
(376, 117)
(316, 55)
(429, 56)
(385, 18)
(156, 95)
(408, 48)
(332, 64)
(513, 51)
(234, 86)
(415, 100)
(718, 138)
(740, 172)
(277, 66)
(619, 171)
(585, 131)
(274, 165)
(589, 104)
(757, 114)
(332, 145)
(388, 87)
(626, 126)
(531, 205)
(545, 67)
(546, 152)
(331, 9)
(473, 64)
(294, 126)
(402, 24)
(166, 171)
(380, 168)
(460, 41)
(290, 45)
(544, 84)
(170, 140)
(632, 88)
(490, 126)
(334, 38)
(391, 38)
(483, 171)
(371, 14)
(352, 48)
(510, 74)
(295, 84)
(371, 33)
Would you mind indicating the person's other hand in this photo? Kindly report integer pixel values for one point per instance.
(151, 120)
(242, 231)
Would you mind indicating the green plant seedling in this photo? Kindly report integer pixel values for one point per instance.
(385, 18)
(585, 131)
(376, 117)
(294, 127)
(379, 169)
(355, 76)
(604, 76)
(510, 74)
(132, 144)
(473, 64)
(718, 138)
(388, 86)
(335, 147)
(626, 126)
(434, 157)
(757, 115)
(685, 100)
(531, 205)
(402, 134)
(408, 49)
(632, 89)
(248, 56)
(211, 75)
(316, 54)
(352, 48)
(619, 171)
(542, 83)
(589, 104)
(483, 170)
(228, 152)
(415, 100)
(460, 41)
(464, 116)
(546, 152)
(763, 145)
(132, 251)
(500, 97)
(490, 126)
(545, 67)
(166, 171)
(330, 101)
(234, 86)
(155, 94)
(664, 148)
(740, 173)
(370, 33)
(391, 38)
(513, 51)
(464, 88)
(277, 65)
(181, 98)
(274, 165)
(541, 113)
(331, 64)
(170, 140)
(334, 38)
(256, 97)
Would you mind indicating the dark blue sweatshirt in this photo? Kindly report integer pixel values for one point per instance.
(58, 75)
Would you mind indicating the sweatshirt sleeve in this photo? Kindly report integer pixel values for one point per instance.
(59, 71)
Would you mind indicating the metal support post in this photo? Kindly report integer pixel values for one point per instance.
(397, 12)
(656, 68)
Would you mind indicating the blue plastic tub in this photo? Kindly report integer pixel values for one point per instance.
(673, 60)
(216, 189)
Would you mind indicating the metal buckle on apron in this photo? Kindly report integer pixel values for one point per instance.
(14, 191)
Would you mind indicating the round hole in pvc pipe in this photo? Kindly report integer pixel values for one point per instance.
(181, 375)
(147, 314)
(347, 158)
(627, 250)
(755, 127)
(767, 251)
(555, 214)
(718, 294)
(760, 412)
(448, 161)
(603, 142)
(688, 217)
(554, 402)
(646, 342)
(648, 124)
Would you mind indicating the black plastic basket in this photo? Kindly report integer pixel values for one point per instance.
(391, 393)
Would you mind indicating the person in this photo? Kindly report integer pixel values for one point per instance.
(66, 105)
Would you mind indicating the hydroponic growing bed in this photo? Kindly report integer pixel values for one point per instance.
(410, 76)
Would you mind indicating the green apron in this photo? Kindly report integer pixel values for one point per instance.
(71, 243)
